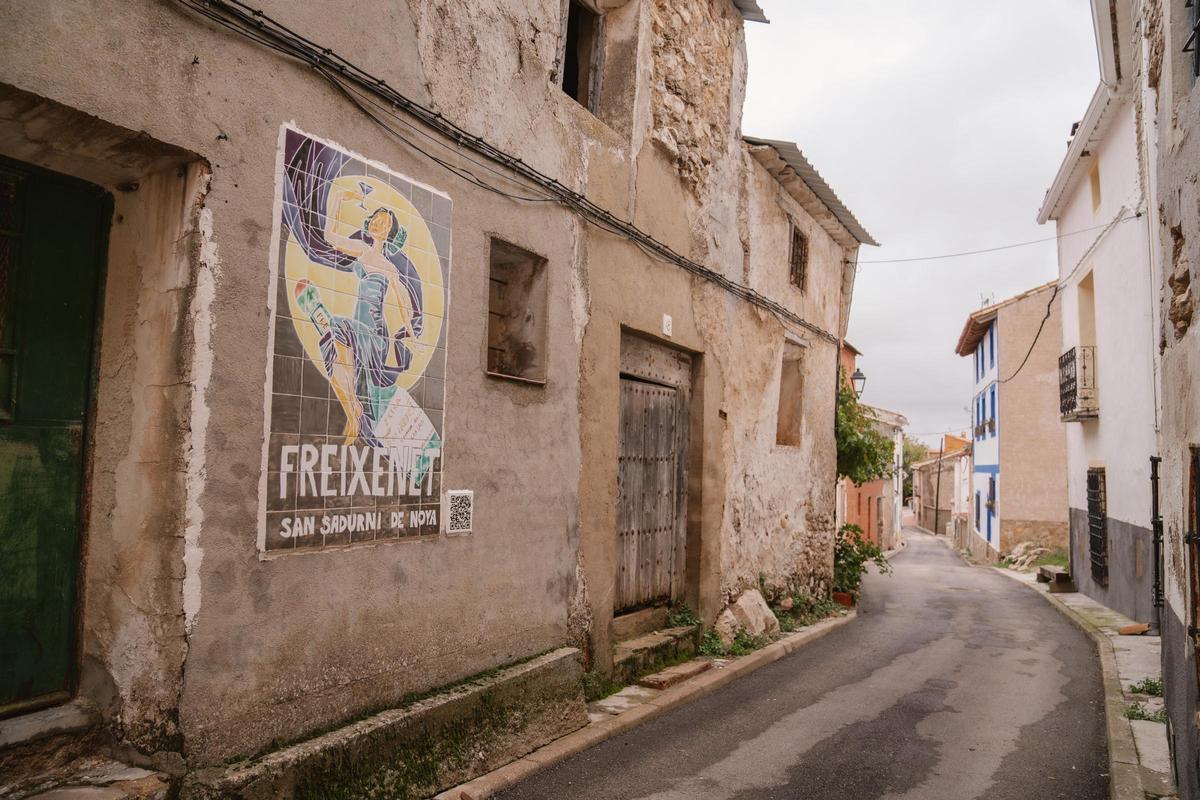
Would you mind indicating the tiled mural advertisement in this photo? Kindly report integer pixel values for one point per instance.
(356, 385)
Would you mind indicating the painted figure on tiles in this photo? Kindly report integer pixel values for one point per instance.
(356, 348)
(360, 301)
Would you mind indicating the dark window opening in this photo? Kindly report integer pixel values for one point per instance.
(1097, 510)
(516, 313)
(580, 54)
(1192, 45)
(798, 258)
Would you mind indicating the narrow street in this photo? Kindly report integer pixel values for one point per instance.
(954, 683)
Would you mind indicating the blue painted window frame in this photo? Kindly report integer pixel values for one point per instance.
(992, 344)
(995, 416)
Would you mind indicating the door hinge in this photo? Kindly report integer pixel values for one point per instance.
(1191, 538)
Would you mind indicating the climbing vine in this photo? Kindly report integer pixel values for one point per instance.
(864, 453)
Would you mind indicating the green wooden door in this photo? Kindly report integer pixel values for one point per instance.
(53, 233)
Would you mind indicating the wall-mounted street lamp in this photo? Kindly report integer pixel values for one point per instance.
(859, 382)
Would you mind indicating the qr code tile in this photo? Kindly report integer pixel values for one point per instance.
(462, 504)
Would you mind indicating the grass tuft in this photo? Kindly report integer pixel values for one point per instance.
(1139, 711)
(1150, 686)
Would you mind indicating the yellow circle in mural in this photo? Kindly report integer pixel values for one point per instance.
(338, 290)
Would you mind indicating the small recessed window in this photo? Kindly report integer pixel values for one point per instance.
(791, 396)
(516, 313)
(1094, 176)
(798, 258)
(581, 54)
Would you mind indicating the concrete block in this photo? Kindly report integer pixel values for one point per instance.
(454, 736)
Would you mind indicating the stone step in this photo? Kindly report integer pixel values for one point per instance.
(99, 778)
(650, 653)
(676, 674)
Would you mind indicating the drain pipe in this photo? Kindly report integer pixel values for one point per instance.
(937, 494)
(1156, 528)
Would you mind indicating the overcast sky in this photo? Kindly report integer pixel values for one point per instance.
(940, 124)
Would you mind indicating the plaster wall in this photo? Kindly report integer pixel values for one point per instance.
(1122, 439)
(1032, 441)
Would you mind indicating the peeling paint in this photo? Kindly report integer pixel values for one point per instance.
(202, 367)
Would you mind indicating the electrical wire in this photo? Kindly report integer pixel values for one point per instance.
(253, 24)
(991, 249)
(1036, 336)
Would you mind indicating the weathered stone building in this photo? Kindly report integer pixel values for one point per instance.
(409, 344)
(1171, 121)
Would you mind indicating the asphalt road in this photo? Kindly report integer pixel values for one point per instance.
(953, 683)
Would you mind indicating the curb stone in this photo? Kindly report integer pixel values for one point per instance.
(596, 732)
(1124, 767)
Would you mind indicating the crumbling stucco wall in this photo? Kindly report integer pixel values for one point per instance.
(1177, 175)
(779, 512)
(695, 50)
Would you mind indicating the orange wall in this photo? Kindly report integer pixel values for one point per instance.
(847, 359)
(862, 508)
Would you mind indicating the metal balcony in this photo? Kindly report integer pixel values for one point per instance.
(1077, 384)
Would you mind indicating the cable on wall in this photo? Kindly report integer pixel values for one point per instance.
(366, 91)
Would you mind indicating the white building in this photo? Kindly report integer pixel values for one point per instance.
(1107, 369)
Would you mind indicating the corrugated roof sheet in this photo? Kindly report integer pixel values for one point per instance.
(750, 10)
(791, 154)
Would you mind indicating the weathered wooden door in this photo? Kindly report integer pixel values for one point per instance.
(52, 237)
(647, 483)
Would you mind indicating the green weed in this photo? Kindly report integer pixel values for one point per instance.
(1139, 711)
(682, 616)
(1150, 686)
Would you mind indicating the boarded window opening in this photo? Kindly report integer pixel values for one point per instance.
(516, 313)
(798, 258)
(581, 53)
(791, 395)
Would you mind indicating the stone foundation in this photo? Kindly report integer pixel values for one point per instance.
(1051, 535)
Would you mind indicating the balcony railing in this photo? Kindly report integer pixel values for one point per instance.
(1077, 384)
